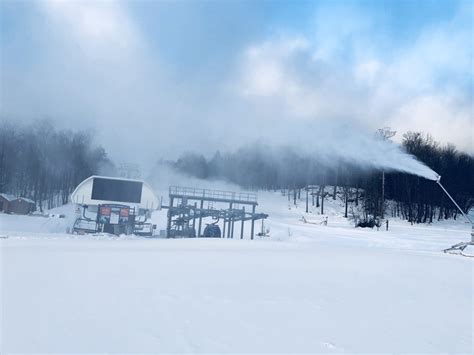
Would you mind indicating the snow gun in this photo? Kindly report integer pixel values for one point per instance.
(458, 248)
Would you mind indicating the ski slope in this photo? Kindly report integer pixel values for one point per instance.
(306, 288)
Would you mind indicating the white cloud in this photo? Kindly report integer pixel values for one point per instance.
(265, 71)
(97, 68)
(367, 71)
(419, 86)
(283, 72)
(442, 116)
(94, 23)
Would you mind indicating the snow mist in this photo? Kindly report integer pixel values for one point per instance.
(329, 145)
(333, 143)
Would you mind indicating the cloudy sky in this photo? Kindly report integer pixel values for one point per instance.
(163, 77)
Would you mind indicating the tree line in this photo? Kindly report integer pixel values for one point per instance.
(413, 198)
(45, 164)
(420, 200)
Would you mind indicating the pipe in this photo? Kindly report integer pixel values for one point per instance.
(438, 181)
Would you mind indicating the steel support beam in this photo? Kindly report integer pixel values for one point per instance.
(252, 228)
(229, 226)
(200, 218)
(242, 224)
(168, 226)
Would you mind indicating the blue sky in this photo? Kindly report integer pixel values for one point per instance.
(150, 67)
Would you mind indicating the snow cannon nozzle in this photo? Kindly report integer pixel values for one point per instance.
(438, 179)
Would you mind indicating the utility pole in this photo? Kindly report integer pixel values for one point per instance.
(385, 134)
(382, 208)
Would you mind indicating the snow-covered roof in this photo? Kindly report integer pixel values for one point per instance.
(8, 197)
(25, 199)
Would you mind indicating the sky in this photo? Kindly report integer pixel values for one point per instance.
(157, 78)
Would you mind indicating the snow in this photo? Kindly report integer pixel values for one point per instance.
(8, 197)
(306, 288)
(26, 199)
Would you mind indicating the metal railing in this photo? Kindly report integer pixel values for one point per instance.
(196, 193)
(84, 225)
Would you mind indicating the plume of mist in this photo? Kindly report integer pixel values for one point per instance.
(263, 164)
(368, 151)
(163, 175)
(302, 154)
(333, 143)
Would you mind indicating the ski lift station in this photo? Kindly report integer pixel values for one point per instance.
(114, 205)
(124, 206)
(189, 206)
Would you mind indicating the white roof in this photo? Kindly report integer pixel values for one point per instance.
(83, 194)
(8, 197)
(26, 199)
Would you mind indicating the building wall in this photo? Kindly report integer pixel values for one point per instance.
(3, 204)
(20, 207)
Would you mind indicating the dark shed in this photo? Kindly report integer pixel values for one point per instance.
(17, 205)
(5, 200)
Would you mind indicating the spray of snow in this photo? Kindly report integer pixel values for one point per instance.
(346, 142)
(333, 144)
(329, 147)
(370, 152)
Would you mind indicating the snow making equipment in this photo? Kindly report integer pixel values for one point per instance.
(114, 205)
(458, 248)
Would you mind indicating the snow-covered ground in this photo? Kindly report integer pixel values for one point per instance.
(306, 288)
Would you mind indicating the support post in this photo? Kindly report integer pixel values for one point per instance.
(232, 232)
(307, 200)
(242, 223)
(322, 200)
(168, 225)
(194, 217)
(200, 218)
(229, 224)
(253, 222)
(223, 228)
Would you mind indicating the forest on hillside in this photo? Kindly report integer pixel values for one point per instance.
(45, 164)
(413, 198)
